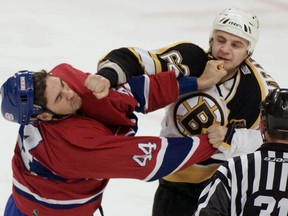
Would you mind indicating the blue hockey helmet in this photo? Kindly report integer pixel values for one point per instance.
(275, 111)
(17, 98)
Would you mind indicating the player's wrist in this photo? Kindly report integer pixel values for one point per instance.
(202, 83)
(187, 85)
(109, 74)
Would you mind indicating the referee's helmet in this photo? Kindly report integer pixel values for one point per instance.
(275, 111)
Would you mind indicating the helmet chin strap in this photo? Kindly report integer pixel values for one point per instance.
(55, 115)
(59, 116)
(263, 125)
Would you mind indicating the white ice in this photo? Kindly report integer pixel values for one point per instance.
(38, 35)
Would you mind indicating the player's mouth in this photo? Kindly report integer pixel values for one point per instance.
(222, 58)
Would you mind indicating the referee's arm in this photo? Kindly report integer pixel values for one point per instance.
(215, 199)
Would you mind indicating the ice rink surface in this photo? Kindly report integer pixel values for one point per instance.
(38, 35)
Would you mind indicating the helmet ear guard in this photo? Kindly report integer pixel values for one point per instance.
(274, 110)
(239, 23)
(17, 98)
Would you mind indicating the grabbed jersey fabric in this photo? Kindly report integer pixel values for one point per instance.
(113, 110)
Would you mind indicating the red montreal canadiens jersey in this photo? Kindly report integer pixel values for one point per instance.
(62, 167)
(113, 110)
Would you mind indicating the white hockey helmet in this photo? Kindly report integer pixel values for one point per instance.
(240, 23)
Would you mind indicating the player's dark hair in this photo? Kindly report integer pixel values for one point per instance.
(39, 79)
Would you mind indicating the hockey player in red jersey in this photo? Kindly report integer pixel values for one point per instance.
(63, 160)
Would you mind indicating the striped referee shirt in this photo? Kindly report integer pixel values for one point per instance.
(252, 184)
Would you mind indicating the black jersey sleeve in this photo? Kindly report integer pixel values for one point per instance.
(186, 59)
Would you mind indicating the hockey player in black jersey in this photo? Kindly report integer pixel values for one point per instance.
(228, 112)
(255, 183)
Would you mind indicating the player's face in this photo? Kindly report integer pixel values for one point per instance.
(230, 48)
(61, 99)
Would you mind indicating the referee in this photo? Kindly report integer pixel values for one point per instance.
(256, 183)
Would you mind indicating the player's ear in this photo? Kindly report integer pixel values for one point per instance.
(263, 128)
(262, 124)
(45, 116)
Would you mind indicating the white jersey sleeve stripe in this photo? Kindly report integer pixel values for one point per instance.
(147, 60)
(53, 201)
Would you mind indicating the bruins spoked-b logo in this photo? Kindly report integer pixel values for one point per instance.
(195, 113)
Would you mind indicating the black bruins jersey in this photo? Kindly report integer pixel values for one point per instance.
(235, 106)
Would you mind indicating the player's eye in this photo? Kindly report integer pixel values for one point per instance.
(237, 45)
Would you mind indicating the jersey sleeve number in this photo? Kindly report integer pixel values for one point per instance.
(147, 149)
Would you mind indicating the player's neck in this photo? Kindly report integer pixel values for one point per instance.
(279, 141)
(230, 74)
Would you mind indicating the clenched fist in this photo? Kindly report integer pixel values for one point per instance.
(216, 134)
(213, 73)
(98, 84)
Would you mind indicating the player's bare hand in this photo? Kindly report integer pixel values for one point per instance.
(214, 71)
(98, 84)
(216, 134)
